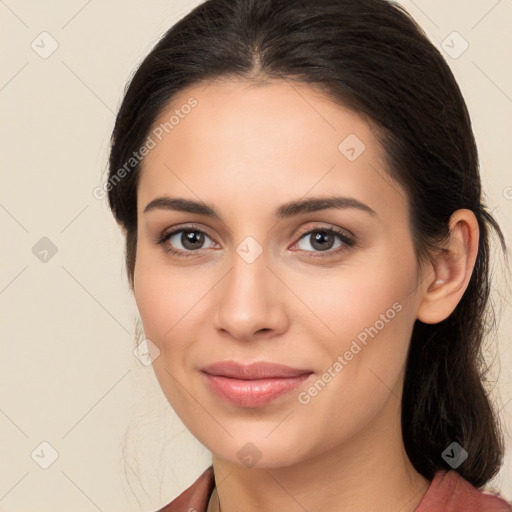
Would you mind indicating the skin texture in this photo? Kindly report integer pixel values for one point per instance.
(246, 149)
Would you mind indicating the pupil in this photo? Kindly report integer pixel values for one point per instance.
(191, 239)
(321, 236)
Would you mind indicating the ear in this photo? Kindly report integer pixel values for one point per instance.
(445, 281)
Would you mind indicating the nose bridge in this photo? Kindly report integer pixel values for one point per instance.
(249, 300)
(249, 267)
(247, 283)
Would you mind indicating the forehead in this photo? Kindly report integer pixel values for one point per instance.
(254, 142)
(256, 120)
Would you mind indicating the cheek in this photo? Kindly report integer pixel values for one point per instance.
(152, 303)
(363, 369)
(164, 312)
(158, 299)
(169, 301)
(368, 299)
(369, 313)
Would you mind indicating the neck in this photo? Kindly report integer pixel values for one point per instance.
(369, 471)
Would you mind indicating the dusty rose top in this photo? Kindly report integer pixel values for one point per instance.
(448, 492)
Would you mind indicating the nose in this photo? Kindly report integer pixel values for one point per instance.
(250, 301)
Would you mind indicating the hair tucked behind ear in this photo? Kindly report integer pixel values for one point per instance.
(370, 56)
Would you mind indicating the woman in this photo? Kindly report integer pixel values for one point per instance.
(308, 247)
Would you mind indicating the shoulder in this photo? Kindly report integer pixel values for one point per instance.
(450, 492)
(195, 497)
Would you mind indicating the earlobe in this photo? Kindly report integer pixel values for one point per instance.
(448, 277)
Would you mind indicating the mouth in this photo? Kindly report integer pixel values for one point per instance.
(252, 385)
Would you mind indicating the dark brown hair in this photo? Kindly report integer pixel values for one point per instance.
(372, 57)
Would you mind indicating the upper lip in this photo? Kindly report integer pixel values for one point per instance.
(257, 370)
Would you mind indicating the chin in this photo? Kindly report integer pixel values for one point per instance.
(253, 452)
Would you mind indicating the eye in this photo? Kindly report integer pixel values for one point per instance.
(186, 242)
(322, 239)
(183, 241)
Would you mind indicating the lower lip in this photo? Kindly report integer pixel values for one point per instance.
(252, 393)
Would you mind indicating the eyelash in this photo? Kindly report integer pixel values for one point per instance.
(345, 239)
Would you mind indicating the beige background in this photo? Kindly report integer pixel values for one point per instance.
(68, 374)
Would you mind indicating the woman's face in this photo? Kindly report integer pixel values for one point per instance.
(264, 279)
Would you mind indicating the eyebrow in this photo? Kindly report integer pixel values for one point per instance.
(286, 210)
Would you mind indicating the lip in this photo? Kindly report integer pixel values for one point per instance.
(257, 370)
(252, 385)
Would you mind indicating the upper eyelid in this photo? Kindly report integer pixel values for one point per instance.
(320, 227)
(173, 231)
(342, 232)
